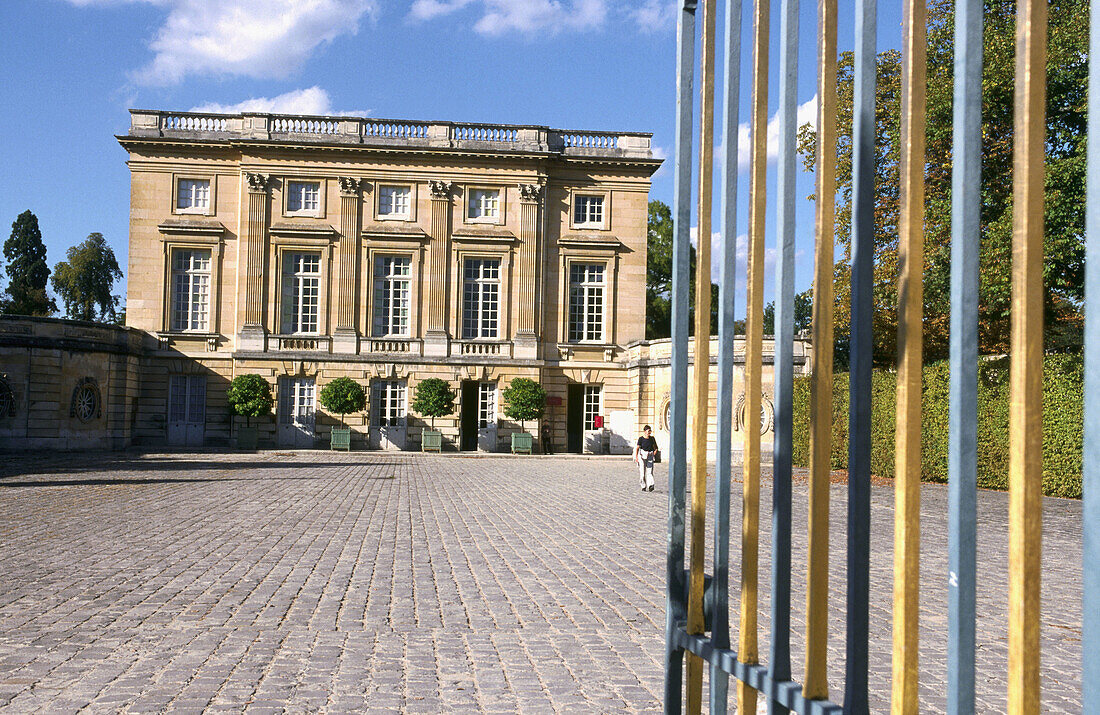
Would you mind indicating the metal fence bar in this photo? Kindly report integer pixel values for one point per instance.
(864, 131)
(962, 452)
(719, 623)
(1025, 512)
(779, 656)
(748, 649)
(821, 378)
(701, 375)
(676, 611)
(1090, 565)
(910, 307)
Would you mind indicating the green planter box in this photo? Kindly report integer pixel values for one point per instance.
(247, 437)
(521, 442)
(431, 441)
(340, 438)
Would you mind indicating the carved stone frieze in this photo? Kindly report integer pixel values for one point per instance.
(257, 182)
(440, 189)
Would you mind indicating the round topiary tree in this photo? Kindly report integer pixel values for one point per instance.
(249, 396)
(434, 398)
(524, 399)
(343, 395)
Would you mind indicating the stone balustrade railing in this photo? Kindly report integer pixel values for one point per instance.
(246, 126)
(482, 348)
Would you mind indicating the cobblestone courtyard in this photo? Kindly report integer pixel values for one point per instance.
(357, 582)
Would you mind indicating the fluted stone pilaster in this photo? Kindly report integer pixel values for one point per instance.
(436, 338)
(255, 242)
(526, 339)
(346, 337)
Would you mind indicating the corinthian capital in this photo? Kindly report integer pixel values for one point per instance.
(530, 192)
(257, 182)
(440, 189)
(349, 186)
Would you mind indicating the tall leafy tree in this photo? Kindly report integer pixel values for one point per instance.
(85, 281)
(27, 270)
(803, 313)
(658, 290)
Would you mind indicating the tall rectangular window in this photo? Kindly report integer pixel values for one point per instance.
(586, 302)
(391, 295)
(481, 298)
(387, 404)
(193, 194)
(190, 299)
(483, 204)
(394, 201)
(592, 406)
(303, 196)
(588, 210)
(301, 292)
(486, 404)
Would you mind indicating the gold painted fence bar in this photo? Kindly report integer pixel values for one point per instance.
(695, 624)
(1025, 511)
(821, 380)
(910, 305)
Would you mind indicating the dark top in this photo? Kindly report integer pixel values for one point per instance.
(649, 444)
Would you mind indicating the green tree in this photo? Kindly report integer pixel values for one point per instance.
(803, 313)
(658, 290)
(524, 399)
(249, 396)
(343, 395)
(27, 270)
(434, 398)
(85, 281)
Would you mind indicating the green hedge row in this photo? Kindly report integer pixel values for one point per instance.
(1062, 420)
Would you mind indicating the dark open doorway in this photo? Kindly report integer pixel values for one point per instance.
(574, 419)
(469, 416)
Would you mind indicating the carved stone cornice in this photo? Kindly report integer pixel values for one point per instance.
(530, 192)
(257, 183)
(440, 189)
(350, 186)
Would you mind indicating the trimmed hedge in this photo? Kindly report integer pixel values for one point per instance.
(1062, 420)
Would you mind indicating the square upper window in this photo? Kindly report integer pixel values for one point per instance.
(483, 205)
(303, 197)
(193, 195)
(394, 201)
(588, 210)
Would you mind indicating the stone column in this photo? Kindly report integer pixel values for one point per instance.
(526, 281)
(345, 338)
(252, 335)
(436, 338)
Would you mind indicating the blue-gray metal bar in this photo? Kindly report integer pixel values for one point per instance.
(681, 257)
(779, 658)
(860, 357)
(1090, 675)
(786, 693)
(719, 623)
(963, 395)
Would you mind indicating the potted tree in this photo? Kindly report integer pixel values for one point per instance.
(249, 396)
(434, 398)
(524, 399)
(342, 395)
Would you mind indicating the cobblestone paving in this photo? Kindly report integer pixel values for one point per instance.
(313, 582)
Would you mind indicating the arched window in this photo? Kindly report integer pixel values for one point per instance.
(86, 404)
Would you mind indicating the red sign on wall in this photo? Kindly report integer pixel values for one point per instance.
(598, 421)
(554, 401)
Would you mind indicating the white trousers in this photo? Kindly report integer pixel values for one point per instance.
(645, 468)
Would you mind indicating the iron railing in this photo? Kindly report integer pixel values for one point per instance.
(698, 619)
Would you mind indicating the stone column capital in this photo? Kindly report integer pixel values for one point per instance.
(530, 192)
(350, 186)
(441, 189)
(257, 183)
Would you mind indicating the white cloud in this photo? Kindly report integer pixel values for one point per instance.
(312, 100)
(655, 15)
(660, 152)
(806, 113)
(251, 38)
(741, 246)
(528, 17)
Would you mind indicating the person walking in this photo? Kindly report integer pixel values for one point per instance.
(645, 451)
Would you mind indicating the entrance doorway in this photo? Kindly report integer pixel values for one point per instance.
(186, 410)
(479, 416)
(297, 412)
(574, 419)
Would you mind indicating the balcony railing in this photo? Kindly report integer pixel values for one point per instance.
(300, 343)
(398, 346)
(283, 128)
(481, 348)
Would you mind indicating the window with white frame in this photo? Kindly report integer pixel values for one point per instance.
(301, 292)
(486, 405)
(387, 404)
(394, 201)
(190, 299)
(483, 205)
(588, 210)
(592, 405)
(193, 195)
(586, 302)
(303, 197)
(481, 298)
(391, 295)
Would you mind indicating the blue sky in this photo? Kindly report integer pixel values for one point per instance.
(74, 68)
